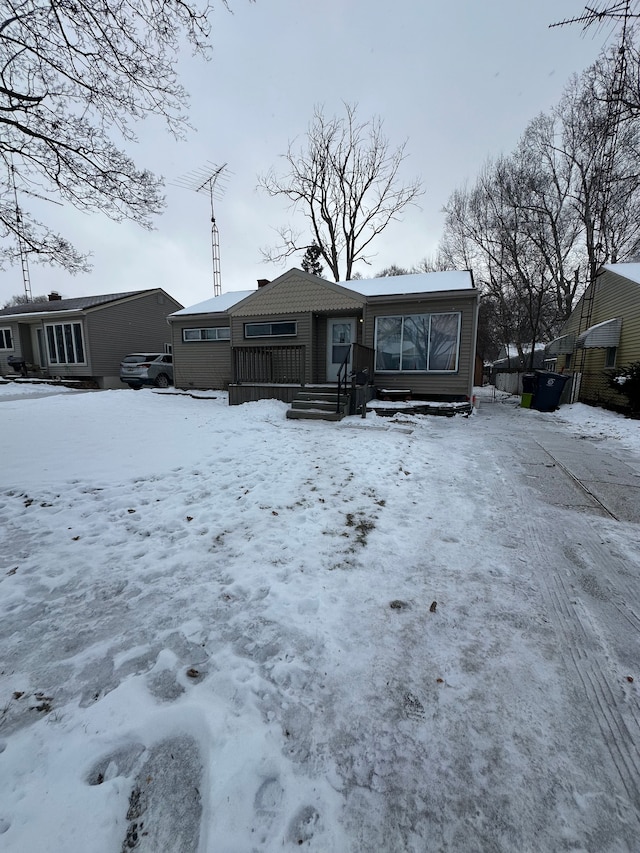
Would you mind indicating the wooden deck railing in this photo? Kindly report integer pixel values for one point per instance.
(276, 365)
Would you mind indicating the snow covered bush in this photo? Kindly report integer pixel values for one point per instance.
(626, 381)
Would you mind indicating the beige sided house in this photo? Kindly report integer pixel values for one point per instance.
(603, 332)
(300, 333)
(85, 337)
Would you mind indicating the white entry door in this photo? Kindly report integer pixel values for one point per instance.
(341, 333)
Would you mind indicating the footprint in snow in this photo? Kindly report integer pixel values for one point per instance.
(267, 805)
(303, 825)
(120, 762)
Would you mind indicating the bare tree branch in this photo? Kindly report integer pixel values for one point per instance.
(74, 76)
(345, 179)
(539, 223)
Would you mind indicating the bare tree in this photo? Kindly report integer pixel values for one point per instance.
(602, 152)
(488, 226)
(436, 263)
(74, 76)
(538, 223)
(345, 180)
(392, 270)
(23, 299)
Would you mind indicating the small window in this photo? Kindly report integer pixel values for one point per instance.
(218, 333)
(567, 360)
(270, 330)
(6, 340)
(610, 357)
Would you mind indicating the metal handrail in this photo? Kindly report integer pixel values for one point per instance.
(362, 367)
(342, 379)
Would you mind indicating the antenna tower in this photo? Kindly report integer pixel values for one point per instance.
(24, 258)
(209, 179)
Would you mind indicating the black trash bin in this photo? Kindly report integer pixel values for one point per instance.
(529, 382)
(549, 387)
(18, 364)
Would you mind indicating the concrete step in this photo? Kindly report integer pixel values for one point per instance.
(326, 396)
(325, 405)
(314, 415)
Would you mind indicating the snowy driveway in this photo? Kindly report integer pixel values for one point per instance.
(225, 631)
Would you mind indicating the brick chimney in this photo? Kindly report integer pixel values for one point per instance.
(54, 296)
(263, 281)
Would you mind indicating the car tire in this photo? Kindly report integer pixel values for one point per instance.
(162, 381)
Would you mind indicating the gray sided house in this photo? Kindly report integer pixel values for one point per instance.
(602, 333)
(85, 337)
(412, 333)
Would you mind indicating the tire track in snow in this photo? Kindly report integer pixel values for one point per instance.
(583, 647)
(621, 597)
(618, 724)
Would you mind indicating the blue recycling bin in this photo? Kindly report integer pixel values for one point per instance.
(548, 391)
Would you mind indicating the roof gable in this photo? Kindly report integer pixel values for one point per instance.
(297, 292)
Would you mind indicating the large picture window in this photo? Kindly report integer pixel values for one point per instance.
(6, 339)
(270, 330)
(418, 342)
(217, 333)
(65, 343)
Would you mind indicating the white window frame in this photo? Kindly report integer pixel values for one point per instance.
(427, 369)
(271, 333)
(198, 335)
(58, 343)
(6, 338)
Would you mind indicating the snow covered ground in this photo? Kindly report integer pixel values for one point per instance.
(224, 631)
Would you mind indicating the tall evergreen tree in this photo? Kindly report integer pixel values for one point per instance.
(311, 260)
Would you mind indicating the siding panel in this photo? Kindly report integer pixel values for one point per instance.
(201, 365)
(133, 325)
(612, 295)
(15, 348)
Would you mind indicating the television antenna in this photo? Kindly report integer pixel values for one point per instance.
(210, 179)
(599, 14)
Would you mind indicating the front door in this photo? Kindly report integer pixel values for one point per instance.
(341, 333)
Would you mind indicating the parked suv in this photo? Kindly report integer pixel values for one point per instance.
(147, 368)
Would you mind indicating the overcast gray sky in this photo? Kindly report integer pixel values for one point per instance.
(459, 79)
